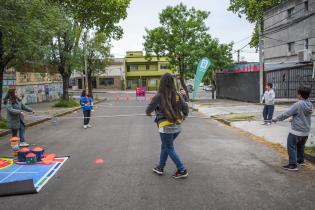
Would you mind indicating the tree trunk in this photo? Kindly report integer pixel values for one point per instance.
(90, 84)
(182, 80)
(1, 89)
(2, 66)
(65, 86)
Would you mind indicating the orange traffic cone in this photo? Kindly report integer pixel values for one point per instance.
(117, 98)
(127, 98)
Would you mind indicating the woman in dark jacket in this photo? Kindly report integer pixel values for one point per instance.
(170, 110)
(15, 116)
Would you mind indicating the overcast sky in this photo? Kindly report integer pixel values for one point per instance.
(224, 25)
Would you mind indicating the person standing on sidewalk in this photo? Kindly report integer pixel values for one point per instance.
(86, 103)
(15, 116)
(183, 94)
(170, 110)
(269, 101)
(301, 113)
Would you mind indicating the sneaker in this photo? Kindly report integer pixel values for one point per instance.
(290, 167)
(158, 170)
(179, 174)
(85, 126)
(268, 123)
(23, 144)
(301, 163)
(264, 123)
(89, 126)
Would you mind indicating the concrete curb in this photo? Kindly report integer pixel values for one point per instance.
(308, 157)
(8, 131)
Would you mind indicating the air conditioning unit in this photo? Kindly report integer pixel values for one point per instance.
(305, 56)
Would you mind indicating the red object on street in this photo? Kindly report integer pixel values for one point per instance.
(140, 92)
(99, 161)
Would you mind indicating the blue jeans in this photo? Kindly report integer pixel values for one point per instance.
(296, 145)
(22, 132)
(268, 112)
(167, 149)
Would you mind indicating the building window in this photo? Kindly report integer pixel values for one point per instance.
(106, 81)
(306, 46)
(132, 83)
(290, 12)
(291, 48)
(132, 68)
(147, 67)
(163, 66)
(306, 6)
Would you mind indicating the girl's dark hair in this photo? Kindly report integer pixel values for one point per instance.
(10, 96)
(269, 84)
(84, 93)
(169, 105)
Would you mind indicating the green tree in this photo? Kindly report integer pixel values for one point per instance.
(254, 12)
(183, 37)
(85, 17)
(25, 31)
(64, 49)
(98, 56)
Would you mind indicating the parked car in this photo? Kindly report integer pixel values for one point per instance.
(208, 88)
(190, 88)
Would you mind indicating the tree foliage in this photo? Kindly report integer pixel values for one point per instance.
(254, 12)
(85, 17)
(101, 16)
(26, 28)
(98, 56)
(183, 37)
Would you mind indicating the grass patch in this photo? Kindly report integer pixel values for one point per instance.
(310, 150)
(242, 118)
(67, 103)
(3, 123)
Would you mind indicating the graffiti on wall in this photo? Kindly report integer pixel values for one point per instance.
(40, 93)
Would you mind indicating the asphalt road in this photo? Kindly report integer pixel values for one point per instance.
(227, 170)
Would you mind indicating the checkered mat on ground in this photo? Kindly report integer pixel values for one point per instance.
(18, 179)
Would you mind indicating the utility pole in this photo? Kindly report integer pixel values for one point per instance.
(85, 61)
(238, 56)
(261, 59)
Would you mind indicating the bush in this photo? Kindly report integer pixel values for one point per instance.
(3, 123)
(310, 150)
(67, 103)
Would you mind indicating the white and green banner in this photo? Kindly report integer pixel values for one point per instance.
(202, 68)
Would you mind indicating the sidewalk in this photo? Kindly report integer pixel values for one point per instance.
(248, 117)
(111, 91)
(43, 112)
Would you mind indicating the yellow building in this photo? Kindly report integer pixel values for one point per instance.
(143, 72)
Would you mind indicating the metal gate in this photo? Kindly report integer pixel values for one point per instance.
(287, 81)
(243, 86)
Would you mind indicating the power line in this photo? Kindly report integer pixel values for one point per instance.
(285, 42)
(283, 27)
(285, 10)
(244, 39)
(271, 26)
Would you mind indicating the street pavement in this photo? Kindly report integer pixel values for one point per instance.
(227, 170)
